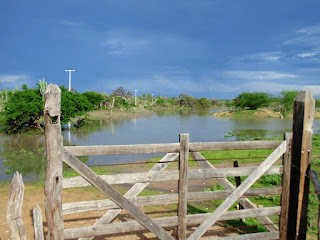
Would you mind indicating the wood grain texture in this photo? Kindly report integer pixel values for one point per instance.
(37, 223)
(303, 113)
(98, 205)
(53, 183)
(226, 184)
(135, 190)
(283, 221)
(14, 208)
(156, 176)
(193, 219)
(120, 200)
(183, 186)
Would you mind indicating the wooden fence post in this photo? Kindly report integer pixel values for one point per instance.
(14, 207)
(37, 223)
(53, 184)
(183, 186)
(286, 162)
(303, 113)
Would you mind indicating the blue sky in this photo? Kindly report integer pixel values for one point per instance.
(204, 48)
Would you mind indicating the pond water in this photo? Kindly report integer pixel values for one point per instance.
(25, 153)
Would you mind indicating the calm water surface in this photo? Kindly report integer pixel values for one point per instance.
(25, 153)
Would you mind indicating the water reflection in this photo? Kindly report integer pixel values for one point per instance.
(25, 153)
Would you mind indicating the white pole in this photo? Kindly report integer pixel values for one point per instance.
(69, 125)
(69, 70)
(135, 97)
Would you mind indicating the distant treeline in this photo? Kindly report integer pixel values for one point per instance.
(22, 109)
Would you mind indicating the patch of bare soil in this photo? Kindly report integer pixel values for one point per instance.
(34, 195)
(260, 113)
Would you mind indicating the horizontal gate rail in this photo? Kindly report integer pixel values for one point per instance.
(167, 147)
(98, 205)
(169, 175)
(165, 222)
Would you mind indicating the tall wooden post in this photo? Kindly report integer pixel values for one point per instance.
(183, 186)
(53, 184)
(303, 113)
(285, 195)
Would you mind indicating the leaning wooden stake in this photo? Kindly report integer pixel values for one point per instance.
(37, 223)
(53, 184)
(14, 208)
(303, 112)
(183, 186)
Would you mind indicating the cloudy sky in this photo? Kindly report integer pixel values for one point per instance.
(204, 48)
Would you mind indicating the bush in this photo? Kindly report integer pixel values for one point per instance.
(252, 100)
(287, 100)
(23, 110)
(94, 98)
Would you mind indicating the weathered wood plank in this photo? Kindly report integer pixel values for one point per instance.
(14, 208)
(98, 205)
(123, 149)
(255, 175)
(53, 184)
(226, 184)
(120, 200)
(283, 221)
(241, 145)
(193, 219)
(303, 113)
(167, 147)
(37, 223)
(135, 190)
(153, 176)
(183, 186)
(251, 236)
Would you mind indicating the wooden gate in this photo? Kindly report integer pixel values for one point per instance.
(131, 202)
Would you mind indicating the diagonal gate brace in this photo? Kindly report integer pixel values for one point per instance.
(238, 192)
(114, 195)
(134, 190)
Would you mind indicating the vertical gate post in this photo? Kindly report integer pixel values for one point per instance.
(183, 186)
(303, 113)
(53, 184)
(286, 162)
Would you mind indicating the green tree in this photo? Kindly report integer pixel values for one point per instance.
(204, 103)
(252, 101)
(73, 104)
(23, 110)
(94, 98)
(187, 101)
(287, 100)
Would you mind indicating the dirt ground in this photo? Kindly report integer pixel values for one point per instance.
(34, 195)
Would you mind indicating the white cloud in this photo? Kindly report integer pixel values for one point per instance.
(264, 56)
(70, 23)
(308, 36)
(124, 42)
(12, 81)
(314, 89)
(310, 53)
(312, 30)
(259, 75)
